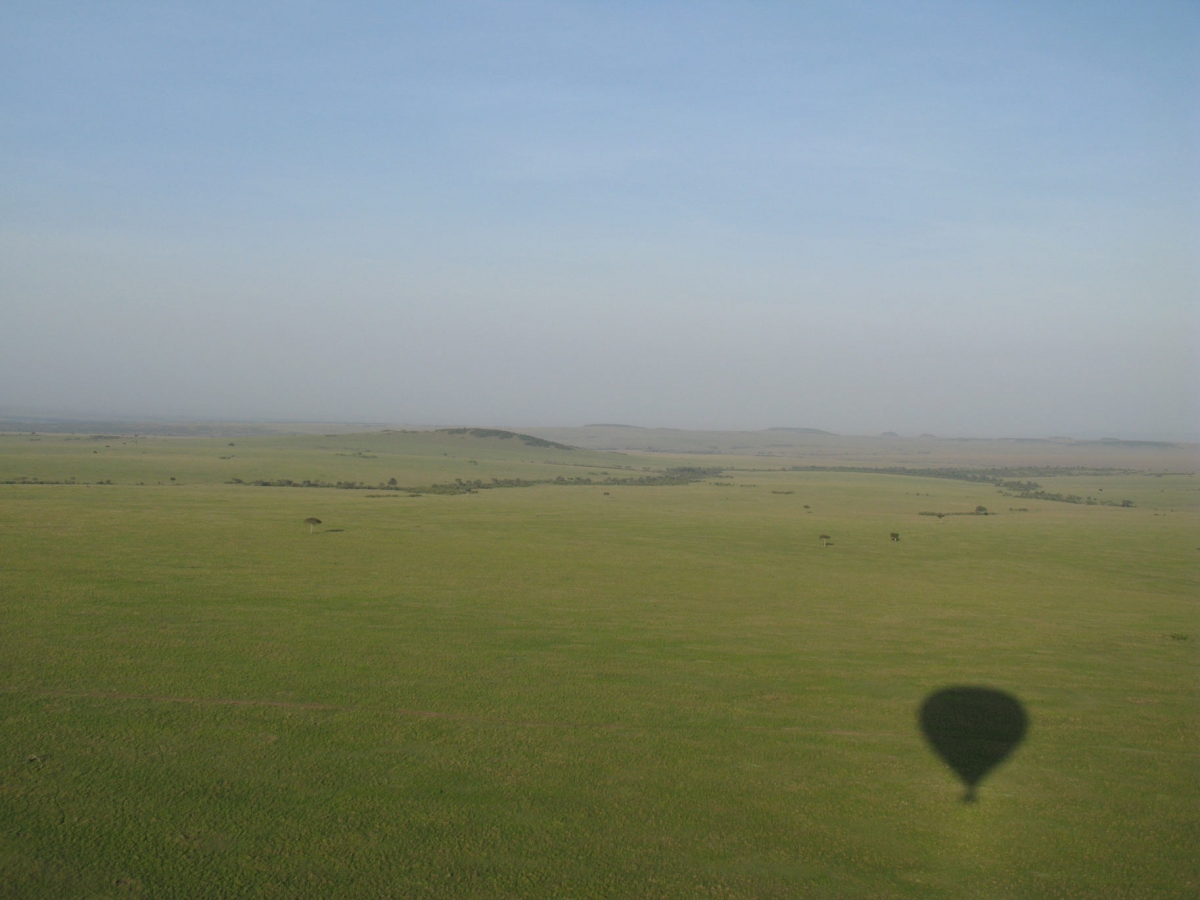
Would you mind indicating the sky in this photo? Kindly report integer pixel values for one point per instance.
(959, 218)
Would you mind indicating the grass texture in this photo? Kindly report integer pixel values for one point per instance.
(579, 691)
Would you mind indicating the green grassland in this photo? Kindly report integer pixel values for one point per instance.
(579, 690)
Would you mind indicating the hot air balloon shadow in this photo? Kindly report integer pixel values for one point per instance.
(973, 729)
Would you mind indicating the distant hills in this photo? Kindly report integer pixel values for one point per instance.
(798, 445)
(814, 446)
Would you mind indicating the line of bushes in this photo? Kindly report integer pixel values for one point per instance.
(675, 476)
(1023, 490)
(1069, 498)
(22, 479)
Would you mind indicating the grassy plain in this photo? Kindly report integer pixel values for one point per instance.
(579, 690)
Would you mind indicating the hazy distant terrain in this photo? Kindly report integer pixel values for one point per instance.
(807, 444)
(812, 444)
(171, 427)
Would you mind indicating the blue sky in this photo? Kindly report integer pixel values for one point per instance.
(964, 218)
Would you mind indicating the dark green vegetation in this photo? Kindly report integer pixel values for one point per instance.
(656, 689)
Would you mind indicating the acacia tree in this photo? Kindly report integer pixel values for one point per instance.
(312, 521)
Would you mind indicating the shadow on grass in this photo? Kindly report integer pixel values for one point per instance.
(973, 729)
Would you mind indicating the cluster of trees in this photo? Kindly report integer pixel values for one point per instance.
(1018, 487)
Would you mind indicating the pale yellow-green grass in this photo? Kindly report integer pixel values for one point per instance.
(579, 691)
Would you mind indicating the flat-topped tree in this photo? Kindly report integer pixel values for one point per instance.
(312, 521)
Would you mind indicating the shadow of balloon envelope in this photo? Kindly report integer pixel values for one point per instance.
(973, 729)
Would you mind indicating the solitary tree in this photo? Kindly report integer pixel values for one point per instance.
(824, 539)
(310, 522)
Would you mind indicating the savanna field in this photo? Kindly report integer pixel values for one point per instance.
(506, 667)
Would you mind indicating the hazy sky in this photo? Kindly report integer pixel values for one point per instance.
(960, 218)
